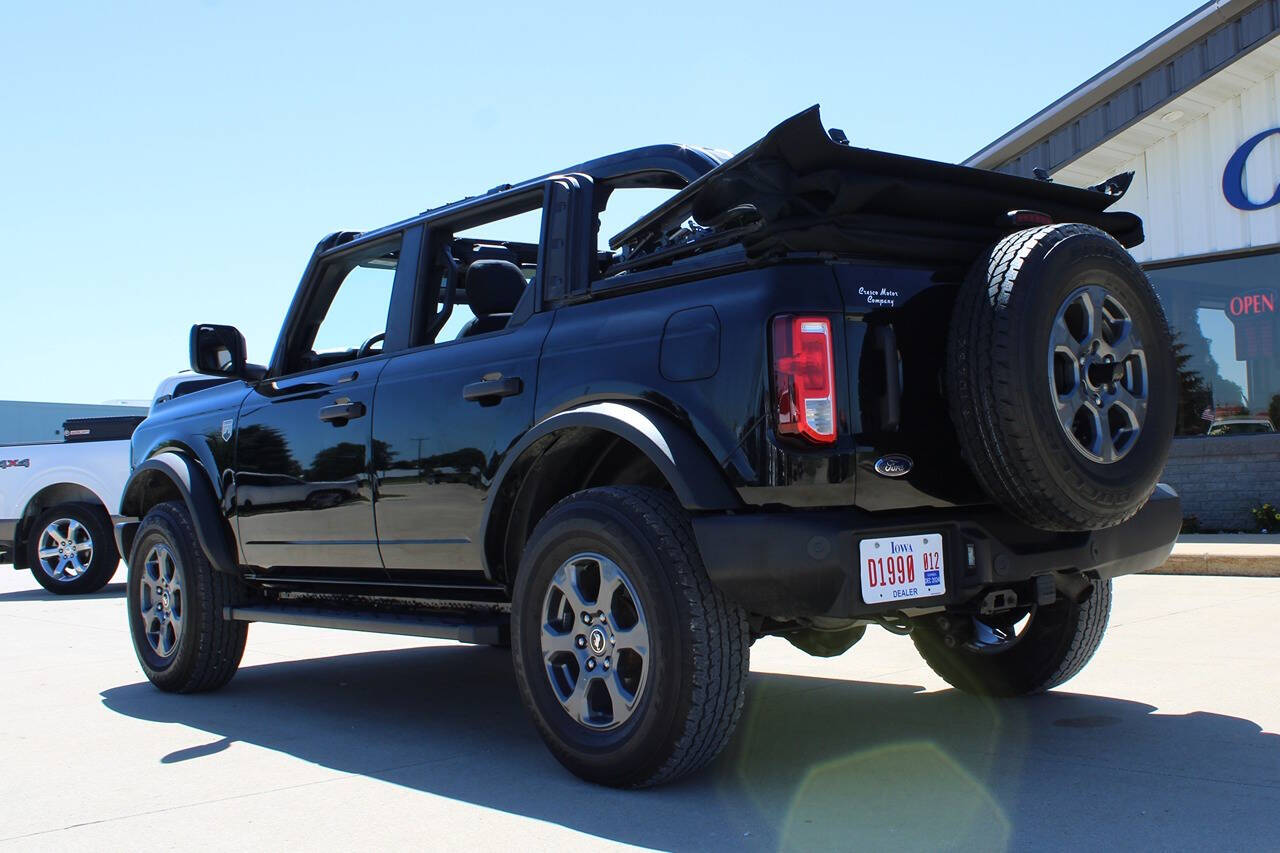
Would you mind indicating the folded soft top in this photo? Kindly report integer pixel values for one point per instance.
(803, 191)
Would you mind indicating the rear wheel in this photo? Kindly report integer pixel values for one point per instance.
(631, 663)
(71, 550)
(1019, 652)
(175, 603)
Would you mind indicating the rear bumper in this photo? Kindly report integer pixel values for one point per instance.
(805, 563)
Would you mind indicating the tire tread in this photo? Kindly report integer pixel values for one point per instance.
(1005, 674)
(721, 662)
(221, 642)
(716, 640)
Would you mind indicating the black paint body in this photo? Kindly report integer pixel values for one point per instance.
(303, 493)
(413, 495)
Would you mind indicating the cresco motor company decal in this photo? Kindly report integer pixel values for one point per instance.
(14, 463)
(879, 295)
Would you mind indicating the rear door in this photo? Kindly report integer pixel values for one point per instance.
(440, 450)
(447, 410)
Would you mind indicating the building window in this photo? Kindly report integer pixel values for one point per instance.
(1225, 318)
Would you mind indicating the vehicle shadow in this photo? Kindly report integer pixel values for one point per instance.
(111, 590)
(815, 762)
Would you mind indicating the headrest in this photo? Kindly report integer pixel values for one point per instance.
(494, 287)
(483, 252)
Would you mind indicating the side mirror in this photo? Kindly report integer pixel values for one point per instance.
(218, 350)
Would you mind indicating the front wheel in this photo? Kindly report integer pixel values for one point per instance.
(175, 603)
(631, 663)
(1019, 652)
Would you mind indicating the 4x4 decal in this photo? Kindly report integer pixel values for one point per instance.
(14, 463)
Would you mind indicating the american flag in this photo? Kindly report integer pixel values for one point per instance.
(1207, 414)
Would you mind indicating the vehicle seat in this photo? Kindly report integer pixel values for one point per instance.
(493, 290)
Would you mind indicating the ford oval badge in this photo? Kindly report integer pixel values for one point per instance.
(893, 465)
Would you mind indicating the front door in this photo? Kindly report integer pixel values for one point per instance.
(303, 489)
(303, 494)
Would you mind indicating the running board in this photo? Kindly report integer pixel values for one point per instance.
(436, 627)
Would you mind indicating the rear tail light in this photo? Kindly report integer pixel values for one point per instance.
(804, 378)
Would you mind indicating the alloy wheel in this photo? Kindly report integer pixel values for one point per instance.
(65, 550)
(161, 600)
(1000, 631)
(595, 641)
(1097, 374)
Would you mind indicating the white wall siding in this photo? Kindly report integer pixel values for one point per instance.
(1177, 188)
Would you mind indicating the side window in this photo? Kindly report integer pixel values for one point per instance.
(496, 261)
(1225, 318)
(624, 206)
(349, 308)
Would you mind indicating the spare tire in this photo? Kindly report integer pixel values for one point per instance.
(1061, 379)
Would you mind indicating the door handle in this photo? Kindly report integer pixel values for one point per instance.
(490, 391)
(339, 413)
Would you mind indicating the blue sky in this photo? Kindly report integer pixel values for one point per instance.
(169, 163)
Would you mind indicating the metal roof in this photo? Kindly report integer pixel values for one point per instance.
(1190, 51)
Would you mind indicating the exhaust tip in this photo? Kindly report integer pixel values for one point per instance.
(1075, 587)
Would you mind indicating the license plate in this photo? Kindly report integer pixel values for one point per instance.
(902, 567)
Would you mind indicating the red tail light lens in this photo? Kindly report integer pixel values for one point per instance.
(804, 382)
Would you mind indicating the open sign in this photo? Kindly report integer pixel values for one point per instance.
(1249, 304)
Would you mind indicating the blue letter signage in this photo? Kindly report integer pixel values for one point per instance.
(1233, 175)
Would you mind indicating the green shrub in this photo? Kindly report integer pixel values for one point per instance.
(1266, 516)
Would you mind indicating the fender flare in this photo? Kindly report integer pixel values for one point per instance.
(698, 482)
(192, 484)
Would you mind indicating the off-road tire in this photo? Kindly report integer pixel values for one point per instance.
(1056, 644)
(699, 641)
(999, 394)
(103, 564)
(209, 649)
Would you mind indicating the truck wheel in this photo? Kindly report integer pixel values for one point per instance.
(1063, 385)
(175, 602)
(1017, 653)
(631, 663)
(71, 550)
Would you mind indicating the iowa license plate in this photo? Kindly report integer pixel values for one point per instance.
(902, 567)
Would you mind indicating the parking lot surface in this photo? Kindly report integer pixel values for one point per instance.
(327, 739)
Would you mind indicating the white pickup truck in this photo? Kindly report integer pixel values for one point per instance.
(58, 499)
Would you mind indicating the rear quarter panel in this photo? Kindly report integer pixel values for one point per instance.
(612, 348)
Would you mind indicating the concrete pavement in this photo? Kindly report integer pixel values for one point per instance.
(326, 740)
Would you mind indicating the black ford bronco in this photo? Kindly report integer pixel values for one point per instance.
(816, 388)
